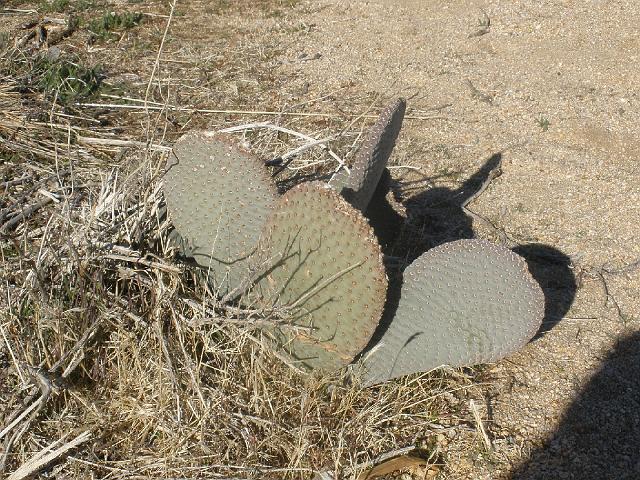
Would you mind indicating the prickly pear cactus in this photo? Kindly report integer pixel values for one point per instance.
(326, 275)
(218, 198)
(371, 158)
(462, 303)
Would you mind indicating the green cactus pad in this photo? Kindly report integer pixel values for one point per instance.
(327, 275)
(371, 158)
(219, 199)
(462, 303)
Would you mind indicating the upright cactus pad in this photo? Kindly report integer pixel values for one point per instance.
(371, 158)
(462, 303)
(326, 275)
(218, 198)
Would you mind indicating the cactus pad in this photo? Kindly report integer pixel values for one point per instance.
(462, 303)
(371, 158)
(326, 274)
(219, 198)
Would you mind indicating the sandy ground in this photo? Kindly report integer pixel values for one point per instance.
(551, 87)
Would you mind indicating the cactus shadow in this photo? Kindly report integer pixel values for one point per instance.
(436, 216)
(552, 270)
(599, 434)
(383, 218)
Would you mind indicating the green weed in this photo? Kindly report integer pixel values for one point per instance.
(485, 20)
(543, 123)
(77, 7)
(82, 5)
(62, 6)
(65, 80)
(53, 6)
(104, 27)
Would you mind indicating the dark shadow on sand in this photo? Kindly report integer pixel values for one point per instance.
(552, 270)
(599, 435)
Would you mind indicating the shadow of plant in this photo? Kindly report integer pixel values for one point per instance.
(552, 270)
(599, 435)
(437, 216)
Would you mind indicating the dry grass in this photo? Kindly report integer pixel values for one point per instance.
(103, 330)
(162, 393)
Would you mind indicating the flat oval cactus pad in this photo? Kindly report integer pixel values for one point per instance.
(462, 303)
(327, 276)
(219, 198)
(372, 157)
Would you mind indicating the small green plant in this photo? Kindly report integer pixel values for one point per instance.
(63, 6)
(53, 6)
(543, 123)
(485, 20)
(82, 5)
(104, 27)
(65, 80)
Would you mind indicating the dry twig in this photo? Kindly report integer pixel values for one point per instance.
(45, 456)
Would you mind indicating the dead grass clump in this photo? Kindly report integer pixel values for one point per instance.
(168, 380)
(35, 93)
(104, 331)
